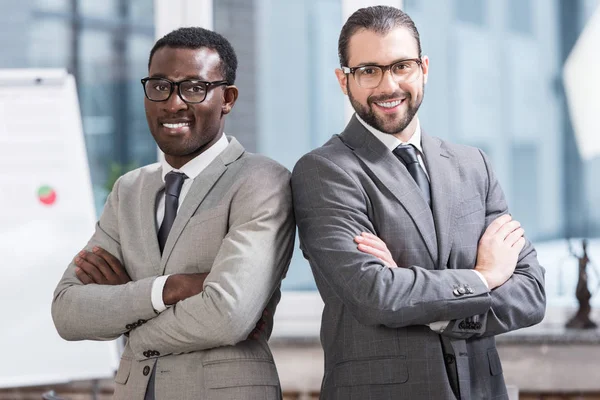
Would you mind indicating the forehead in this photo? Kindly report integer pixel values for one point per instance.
(367, 46)
(178, 63)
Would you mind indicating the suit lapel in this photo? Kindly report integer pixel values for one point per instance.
(444, 175)
(151, 187)
(395, 177)
(200, 188)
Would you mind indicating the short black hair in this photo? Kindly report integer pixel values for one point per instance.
(379, 19)
(196, 38)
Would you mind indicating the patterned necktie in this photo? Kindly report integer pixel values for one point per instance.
(407, 153)
(173, 184)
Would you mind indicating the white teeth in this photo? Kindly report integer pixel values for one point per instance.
(389, 104)
(174, 126)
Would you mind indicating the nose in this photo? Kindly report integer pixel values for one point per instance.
(388, 82)
(174, 103)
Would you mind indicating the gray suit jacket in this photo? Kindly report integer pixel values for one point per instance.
(236, 223)
(374, 333)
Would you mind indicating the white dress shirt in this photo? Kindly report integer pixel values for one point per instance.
(192, 169)
(391, 142)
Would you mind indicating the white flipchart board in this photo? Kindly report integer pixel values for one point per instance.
(46, 216)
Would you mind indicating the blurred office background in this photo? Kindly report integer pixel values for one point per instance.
(495, 83)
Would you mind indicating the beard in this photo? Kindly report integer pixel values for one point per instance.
(367, 114)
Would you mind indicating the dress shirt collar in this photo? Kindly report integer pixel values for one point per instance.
(391, 141)
(195, 166)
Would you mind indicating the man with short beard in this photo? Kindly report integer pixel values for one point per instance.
(189, 251)
(409, 237)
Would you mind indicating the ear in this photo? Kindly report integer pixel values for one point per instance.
(230, 95)
(342, 80)
(425, 67)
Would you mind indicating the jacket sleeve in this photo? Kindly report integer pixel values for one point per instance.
(88, 311)
(331, 208)
(521, 301)
(245, 276)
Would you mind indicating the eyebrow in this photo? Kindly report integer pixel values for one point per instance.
(365, 64)
(185, 78)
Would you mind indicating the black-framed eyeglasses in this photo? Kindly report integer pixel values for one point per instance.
(189, 90)
(370, 76)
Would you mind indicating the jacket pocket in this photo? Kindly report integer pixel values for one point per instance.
(236, 373)
(494, 360)
(372, 371)
(123, 371)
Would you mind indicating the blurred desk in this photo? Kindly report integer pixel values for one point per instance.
(546, 361)
(548, 358)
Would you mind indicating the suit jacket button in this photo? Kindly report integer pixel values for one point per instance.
(462, 290)
(457, 293)
(141, 321)
(146, 370)
(146, 354)
(449, 358)
(128, 327)
(155, 353)
(469, 290)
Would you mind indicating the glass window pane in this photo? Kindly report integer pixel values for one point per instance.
(50, 43)
(97, 96)
(470, 11)
(142, 148)
(99, 9)
(141, 11)
(53, 5)
(289, 101)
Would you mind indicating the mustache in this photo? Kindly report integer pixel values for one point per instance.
(386, 97)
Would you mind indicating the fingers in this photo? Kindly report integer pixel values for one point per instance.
(100, 264)
(82, 276)
(371, 241)
(507, 229)
(498, 223)
(112, 262)
(515, 235)
(374, 252)
(90, 270)
(519, 244)
(373, 245)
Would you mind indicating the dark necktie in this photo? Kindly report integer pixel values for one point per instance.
(407, 153)
(173, 184)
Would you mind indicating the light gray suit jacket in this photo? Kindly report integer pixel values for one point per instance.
(237, 223)
(374, 333)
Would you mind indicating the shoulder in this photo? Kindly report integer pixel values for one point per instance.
(254, 171)
(139, 176)
(333, 154)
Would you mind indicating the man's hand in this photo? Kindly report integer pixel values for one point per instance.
(499, 249)
(259, 329)
(100, 267)
(371, 244)
(181, 286)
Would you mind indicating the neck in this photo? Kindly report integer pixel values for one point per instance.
(405, 135)
(179, 161)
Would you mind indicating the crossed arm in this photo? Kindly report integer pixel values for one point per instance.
(217, 309)
(330, 215)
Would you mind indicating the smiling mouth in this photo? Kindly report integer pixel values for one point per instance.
(389, 104)
(177, 125)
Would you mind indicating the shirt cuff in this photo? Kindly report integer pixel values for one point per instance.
(438, 326)
(482, 278)
(157, 293)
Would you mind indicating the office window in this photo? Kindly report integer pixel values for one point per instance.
(106, 47)
(289, 100)
(525, 204)
(471, 11)
(520, 16)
